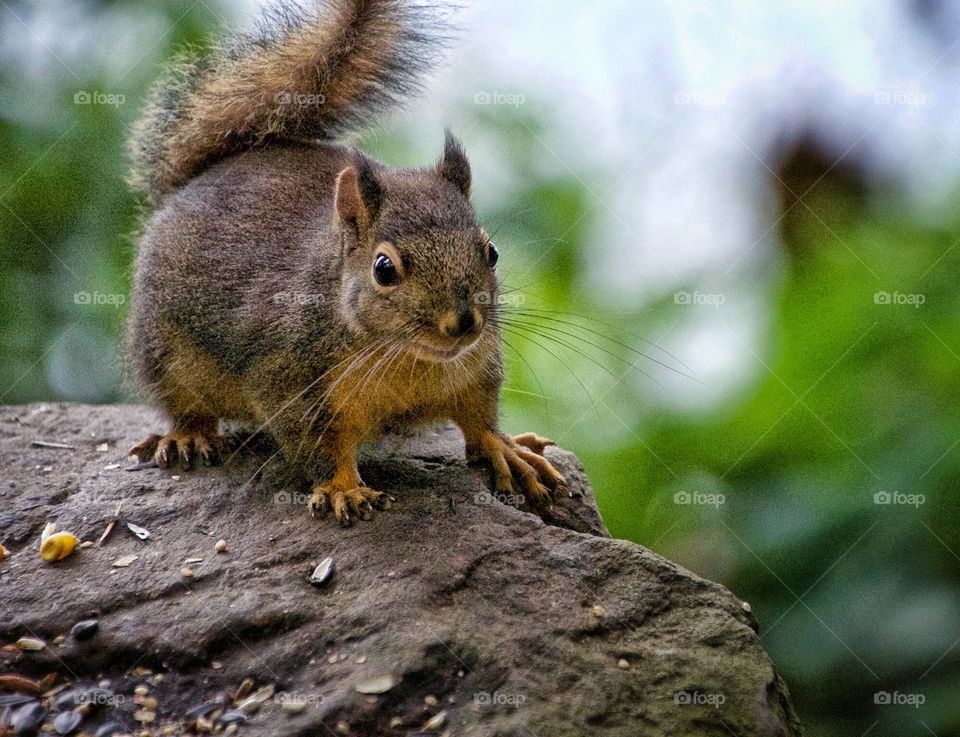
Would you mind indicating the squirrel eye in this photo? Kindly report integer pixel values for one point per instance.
(492, 254)
(384, 271)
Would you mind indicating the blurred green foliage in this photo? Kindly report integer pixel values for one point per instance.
(852, 398)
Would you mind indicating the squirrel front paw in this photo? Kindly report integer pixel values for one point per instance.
(182, 446)
(519, 458)
(347, 503)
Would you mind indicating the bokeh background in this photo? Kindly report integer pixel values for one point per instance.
(730, 237)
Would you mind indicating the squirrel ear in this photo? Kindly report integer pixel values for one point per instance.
(454, 166)
(359, 193)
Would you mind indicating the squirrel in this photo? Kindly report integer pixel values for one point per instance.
(287, 279)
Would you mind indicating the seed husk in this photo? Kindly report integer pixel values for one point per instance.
(48, 444)
(67, 721)
(144, 716)
(376, 684)
(124, 561)
(85, 629)
(141, 532)
(15, 699)
(322, 573)
(245, 687)
(437, 721)
(48, 530)
(233, 716)
(253, 702)
(28, 718)
(19, 684)
(293, 706)
(109, 729)
(30, 643)
(201, 710)
(67, 700)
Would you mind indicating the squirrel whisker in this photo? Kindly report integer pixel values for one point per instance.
(537, 312)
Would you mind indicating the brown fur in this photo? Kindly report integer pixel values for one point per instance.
(255, 297)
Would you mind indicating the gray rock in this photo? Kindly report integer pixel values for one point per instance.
(515, 624)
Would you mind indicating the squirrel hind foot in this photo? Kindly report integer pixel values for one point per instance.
(183, 446)
(347, 504)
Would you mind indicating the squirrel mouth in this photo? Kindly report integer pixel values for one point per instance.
(432, 353)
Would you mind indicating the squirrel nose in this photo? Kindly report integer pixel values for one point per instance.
(456, 325)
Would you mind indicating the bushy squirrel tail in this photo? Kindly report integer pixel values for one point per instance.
(305, 73)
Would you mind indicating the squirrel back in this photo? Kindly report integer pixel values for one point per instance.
(304, 74)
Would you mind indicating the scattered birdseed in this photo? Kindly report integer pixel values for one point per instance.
(376, 684)
(30, 643)
(437, 721)
(124, 561)
(294, 706)
(322, 573)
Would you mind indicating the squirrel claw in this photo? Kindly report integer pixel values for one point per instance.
(519, 461)
(179, 448)
(347, 504)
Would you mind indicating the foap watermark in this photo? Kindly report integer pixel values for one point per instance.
(498, 698)
(707, 299)
(514, 299)
(699, 698)
(297, 299)
(513, 99)
(83, 97)
(98, 697)
(903, 98)
(899, 299)
(699, 498)
(300, 99)
(885, 698)
(898, 498)
(700, 99)
(99, 298)
(486, 498)
(297, 698)
(291, 497)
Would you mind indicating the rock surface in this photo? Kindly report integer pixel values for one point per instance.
(449, 602)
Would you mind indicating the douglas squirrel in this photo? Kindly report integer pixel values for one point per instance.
(288, 280)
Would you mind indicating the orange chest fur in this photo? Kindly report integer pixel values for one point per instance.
(366, 398)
